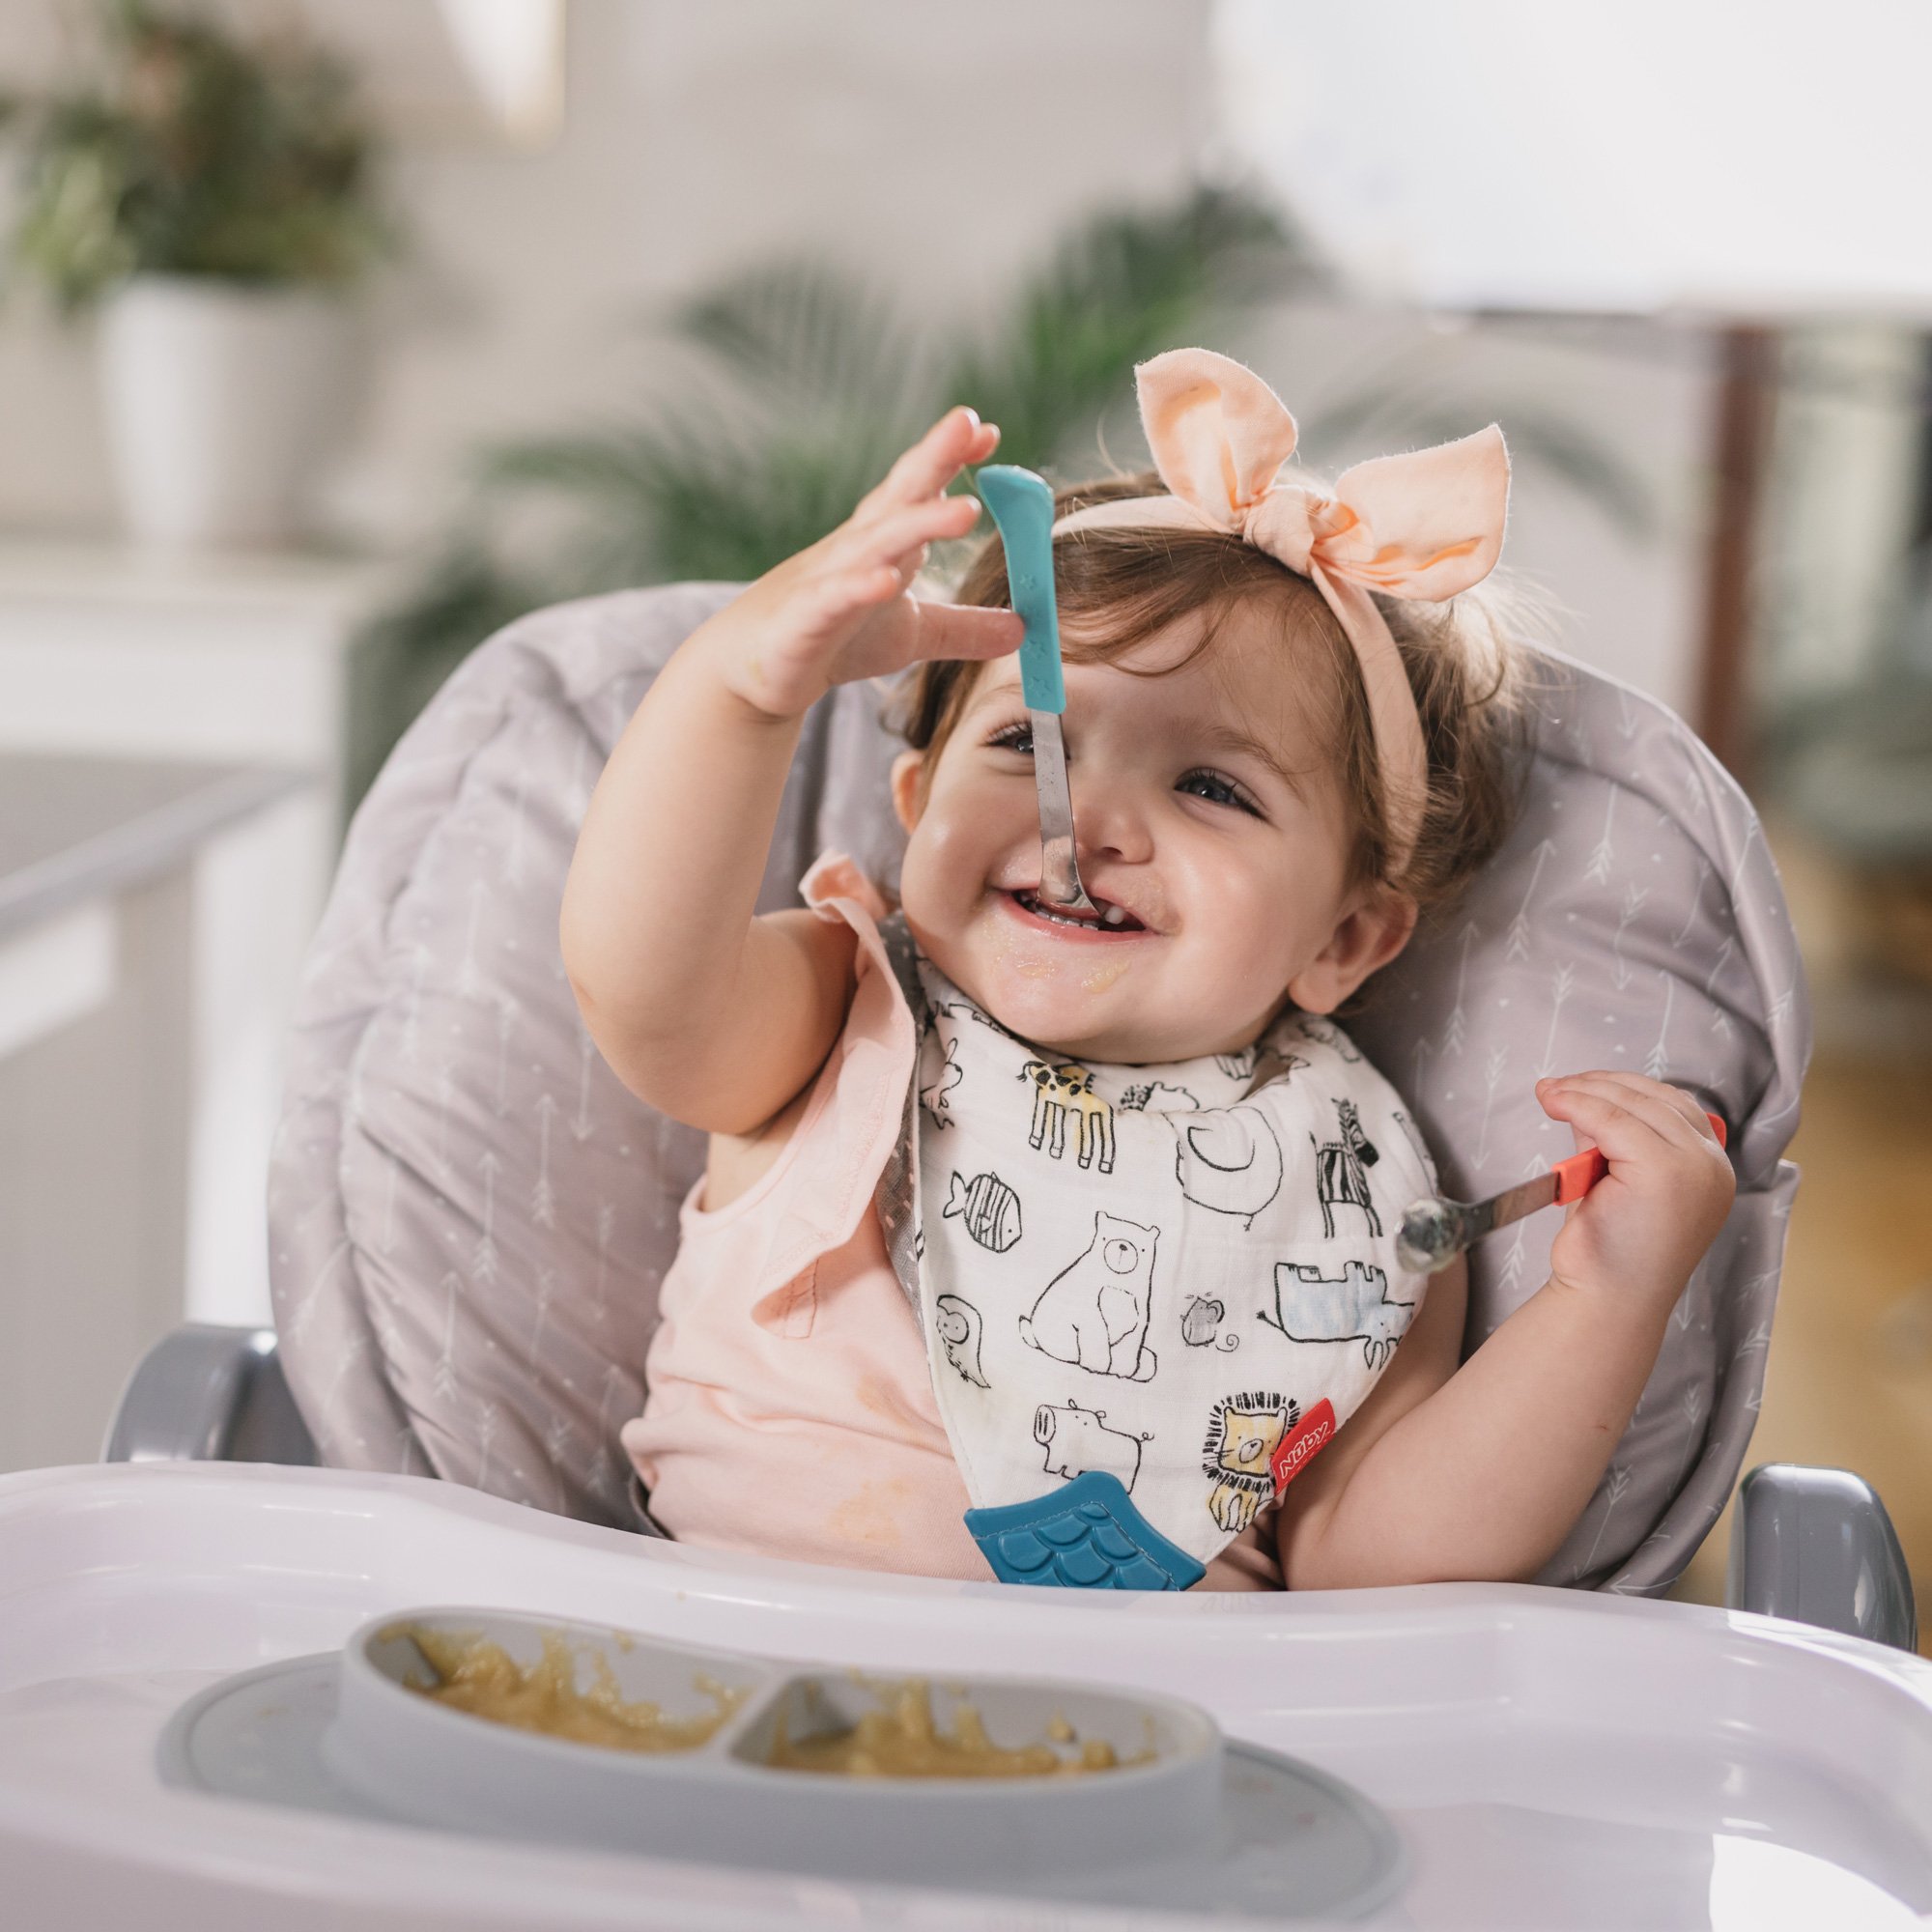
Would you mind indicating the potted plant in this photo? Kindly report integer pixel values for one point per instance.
(214, 200)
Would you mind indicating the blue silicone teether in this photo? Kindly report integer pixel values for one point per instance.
(1087, 1535)
(1021, 504)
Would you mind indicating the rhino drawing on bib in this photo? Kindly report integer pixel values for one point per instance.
(1354, 1306)
(1095, 1312)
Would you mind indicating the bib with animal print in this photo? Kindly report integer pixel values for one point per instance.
(1182, 1276)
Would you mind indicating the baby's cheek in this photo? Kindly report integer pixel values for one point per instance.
(942, 883)
(1259, 942)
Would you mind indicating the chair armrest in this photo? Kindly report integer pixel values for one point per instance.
(208, 1394)
(1817, 1546)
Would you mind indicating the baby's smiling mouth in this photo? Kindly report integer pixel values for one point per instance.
(1111, 921)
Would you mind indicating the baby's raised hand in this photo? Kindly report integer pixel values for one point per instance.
(840, 610)
(1644, 1227)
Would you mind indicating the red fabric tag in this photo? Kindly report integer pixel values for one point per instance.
(1311, 1435)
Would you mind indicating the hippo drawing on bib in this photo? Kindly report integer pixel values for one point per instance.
(1078, 1439)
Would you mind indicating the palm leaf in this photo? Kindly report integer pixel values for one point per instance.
(1125, 287)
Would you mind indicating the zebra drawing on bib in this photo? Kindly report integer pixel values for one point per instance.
(1340, 1171)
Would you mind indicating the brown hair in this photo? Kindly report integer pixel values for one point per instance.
(1121, 586)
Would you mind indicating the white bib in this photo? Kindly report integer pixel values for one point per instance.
(1182, 1276)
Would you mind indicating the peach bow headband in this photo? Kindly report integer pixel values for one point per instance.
(1427, 525)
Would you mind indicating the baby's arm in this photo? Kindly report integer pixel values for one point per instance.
(1480, 1472)
(712, 1016)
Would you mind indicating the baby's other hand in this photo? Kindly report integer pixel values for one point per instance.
(840, 610)
(1644, 1227)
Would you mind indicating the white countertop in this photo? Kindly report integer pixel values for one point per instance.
(73, 827)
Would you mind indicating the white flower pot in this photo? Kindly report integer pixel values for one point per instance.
(222, 405)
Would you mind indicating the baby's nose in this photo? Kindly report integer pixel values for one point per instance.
(1109, 822)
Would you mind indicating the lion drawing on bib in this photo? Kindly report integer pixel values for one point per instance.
(1095, 1312)
(1243, 1433)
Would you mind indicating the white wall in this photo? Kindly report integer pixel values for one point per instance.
(1630, 601)
(939, 148)
(936, 148)
(1611, 154)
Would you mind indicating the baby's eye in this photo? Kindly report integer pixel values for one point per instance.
(1013, 737)
(1219, 790)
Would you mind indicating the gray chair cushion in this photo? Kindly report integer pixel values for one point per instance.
(470, 1215)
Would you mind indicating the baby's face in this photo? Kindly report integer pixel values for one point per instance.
(1205, 805)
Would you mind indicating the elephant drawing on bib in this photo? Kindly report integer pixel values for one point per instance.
(1095, 1312)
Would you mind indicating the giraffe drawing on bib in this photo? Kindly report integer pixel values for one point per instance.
(1340, 1171)
(1060, 1090)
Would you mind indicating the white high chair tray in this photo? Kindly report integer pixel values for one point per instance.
(1549, 1759)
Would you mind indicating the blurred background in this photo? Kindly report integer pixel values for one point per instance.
(336, 334)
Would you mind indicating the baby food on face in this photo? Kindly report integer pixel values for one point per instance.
(483, 1679)
(903, 1740)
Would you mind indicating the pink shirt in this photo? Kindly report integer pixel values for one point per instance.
(790, 1410)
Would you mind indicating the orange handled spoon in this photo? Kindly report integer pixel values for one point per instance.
(1435, 1230)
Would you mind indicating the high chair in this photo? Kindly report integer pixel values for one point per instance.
(469, 1217)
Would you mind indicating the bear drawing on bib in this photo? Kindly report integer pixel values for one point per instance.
(1095, 1312)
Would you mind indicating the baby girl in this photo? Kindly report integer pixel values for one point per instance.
(1059, 1246)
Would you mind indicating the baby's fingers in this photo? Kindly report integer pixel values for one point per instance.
(1674, 1098)
(966, 631)
(958, 438)
(836, 596)
(1625, 1125)
(899, 534)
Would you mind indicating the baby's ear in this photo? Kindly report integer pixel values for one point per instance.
(906, 768)
(1363, 942)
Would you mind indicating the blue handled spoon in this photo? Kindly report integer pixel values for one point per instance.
(1021, 504)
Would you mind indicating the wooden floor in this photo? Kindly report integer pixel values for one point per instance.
(1849, 1380)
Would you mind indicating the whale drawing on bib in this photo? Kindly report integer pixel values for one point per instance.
(1207, 1256)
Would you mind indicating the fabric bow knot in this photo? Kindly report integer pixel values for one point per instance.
(1427, 525)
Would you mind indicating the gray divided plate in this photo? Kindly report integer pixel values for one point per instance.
(1287, 1841)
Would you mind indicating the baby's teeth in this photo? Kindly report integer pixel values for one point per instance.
(1114, 915)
